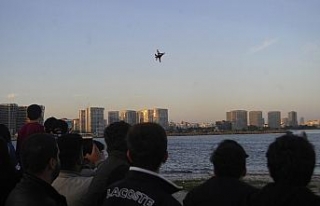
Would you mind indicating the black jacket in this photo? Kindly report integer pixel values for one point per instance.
(32, 191)
(282, 195)
(141, 187)
(219, 191)
(113, 169)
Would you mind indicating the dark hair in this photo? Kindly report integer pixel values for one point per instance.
(48, 124)
(229, 159)
(291, 160)
(34, 111)
(70, 146)
(99, 145)
(37, 150)
(115, 136)
(5, 133)
(60, 127)
(147, 143)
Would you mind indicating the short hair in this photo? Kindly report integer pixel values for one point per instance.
(5, 133)
(229, 159)
(34, 112)
(70, 146)
(291, 160)
(48, 124)
(60, 127)
(99, 145)
(115, 136)
(37, 150)
(147, 144)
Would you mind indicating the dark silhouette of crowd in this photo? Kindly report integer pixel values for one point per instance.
(53, 166)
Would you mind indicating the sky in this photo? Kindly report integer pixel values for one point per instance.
(220, 55)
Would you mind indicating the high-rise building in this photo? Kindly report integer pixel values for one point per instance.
(238, 119)
(292, 119)
(145, 115)
(21, 116)
(95, 121)
(82, 121)
(14, 116)
(160, 116)
(302, 121)
(274, 119)
(113, 116)
(255, 119)
(129, 116)
(8, 116)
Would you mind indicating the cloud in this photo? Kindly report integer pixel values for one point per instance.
(265, 44)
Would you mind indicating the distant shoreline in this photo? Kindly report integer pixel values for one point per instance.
(224, 132)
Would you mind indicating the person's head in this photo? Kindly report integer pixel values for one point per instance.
(147, 146)
(60, 127)
(40, 156)
(115, 136)
(5, 133)
(99, 145)
(291, 160)
(34, 112)
(70, 146)
(48, 124)
(229, 159)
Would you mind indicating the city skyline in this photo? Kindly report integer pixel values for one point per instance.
(220, 56)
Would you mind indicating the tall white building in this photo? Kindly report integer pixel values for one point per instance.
(129, 116)
(292, 119)
(255, 119)
(91, 120)
(274, 119)
(157, 115)
(238, 119)
(145, 115)
(160, 116)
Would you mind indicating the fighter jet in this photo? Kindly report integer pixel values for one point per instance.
(158, 55)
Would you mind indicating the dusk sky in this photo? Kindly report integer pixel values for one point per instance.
(219, 56)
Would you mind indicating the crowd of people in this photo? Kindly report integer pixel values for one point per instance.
(53, 166)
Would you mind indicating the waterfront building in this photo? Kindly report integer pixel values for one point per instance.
(284, 122)
(21, 116)
(95, 121)
(301, 121)
(82, 121)
(224, 125)
(292, 119)
(274, 119)
(313, 123)
(14, 116)
(238, 119)
(8, 116)
(160, 116)
(255, 119)
(145, 115)
(113, 116)
(76, 125)
(129, 116)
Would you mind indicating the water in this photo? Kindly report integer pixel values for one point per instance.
(189, 155)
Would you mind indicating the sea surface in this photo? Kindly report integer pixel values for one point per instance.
(189, 155)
